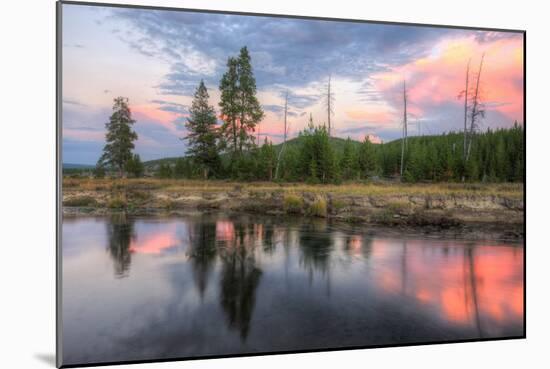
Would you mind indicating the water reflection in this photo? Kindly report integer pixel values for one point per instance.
(239, 281)
(202, 251)
(215, 284)
(120, 233)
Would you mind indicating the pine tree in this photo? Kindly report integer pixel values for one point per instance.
(202, 137)
(249, 109)
(229, 91)
(317, 157)
(366, 158)
(99, 171)
(180, 169)
(119, 137)
(267, 161)
(165, 171)
(348, 163)
(135, 167)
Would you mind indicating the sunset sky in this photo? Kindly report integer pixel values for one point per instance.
(157, 58)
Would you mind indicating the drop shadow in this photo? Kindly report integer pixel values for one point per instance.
(46, 358)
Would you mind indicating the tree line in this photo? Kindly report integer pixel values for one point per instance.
(230, 150)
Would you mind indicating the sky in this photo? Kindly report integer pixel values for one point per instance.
(156, 58)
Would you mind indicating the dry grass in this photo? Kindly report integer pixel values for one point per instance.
(292, 203)
(318, 208)
(510, 190)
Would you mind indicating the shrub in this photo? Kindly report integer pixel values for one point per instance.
(83, 201)
(318, 208)
(293, 203)
(117, 203)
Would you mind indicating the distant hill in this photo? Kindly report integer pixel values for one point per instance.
(77, 166)
(336, 142)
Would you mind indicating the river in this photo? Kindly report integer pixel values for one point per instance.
(216, 284)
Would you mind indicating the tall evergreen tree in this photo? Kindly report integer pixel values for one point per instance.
(240, 111)
(348, 164)
(250, 112)
(317, 157)
(119, 137)
(202, 137)
(267, 161)
(134, 166)
(366, 158)
(229, 90)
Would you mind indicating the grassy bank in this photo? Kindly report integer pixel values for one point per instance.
(510, 190)
(419, 205)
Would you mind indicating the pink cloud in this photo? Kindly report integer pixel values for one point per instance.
(439, 77)
(83, 134)
(375, 114)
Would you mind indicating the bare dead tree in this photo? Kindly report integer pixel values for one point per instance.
(477, 111)
(284, 137)
(465, 93)
(329, 103)
(404, 128)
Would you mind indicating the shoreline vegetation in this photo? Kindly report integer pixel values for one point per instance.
(456, 180)
(440, 206)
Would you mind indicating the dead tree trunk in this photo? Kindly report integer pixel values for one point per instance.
(476, 110)
(328, 105)
(466, 111)
(404, 130)
(284, 138)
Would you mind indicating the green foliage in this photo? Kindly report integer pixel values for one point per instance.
(99, 171)
(165, 171)
(313, 157)
(366, 159)
(496, 156)
(240, 108)
(135, 167)
(317, 158)
(181, 169)
(203, 135)
(267, 159)
(119, 137)
(349, 165)
(245, 167)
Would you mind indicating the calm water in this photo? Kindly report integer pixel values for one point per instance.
(149, 288)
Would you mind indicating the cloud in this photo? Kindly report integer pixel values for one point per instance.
(171, 107)
(289, 51)
(375, 114)
(368, 63)
(436, 79)
(72, 102)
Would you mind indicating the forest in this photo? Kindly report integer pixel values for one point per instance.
(230, 149)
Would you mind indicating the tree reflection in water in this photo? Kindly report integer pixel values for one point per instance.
(202, 245)
(120, 233)
(240, 278)
(316, 245)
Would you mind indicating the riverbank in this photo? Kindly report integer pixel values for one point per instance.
(442, 206)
